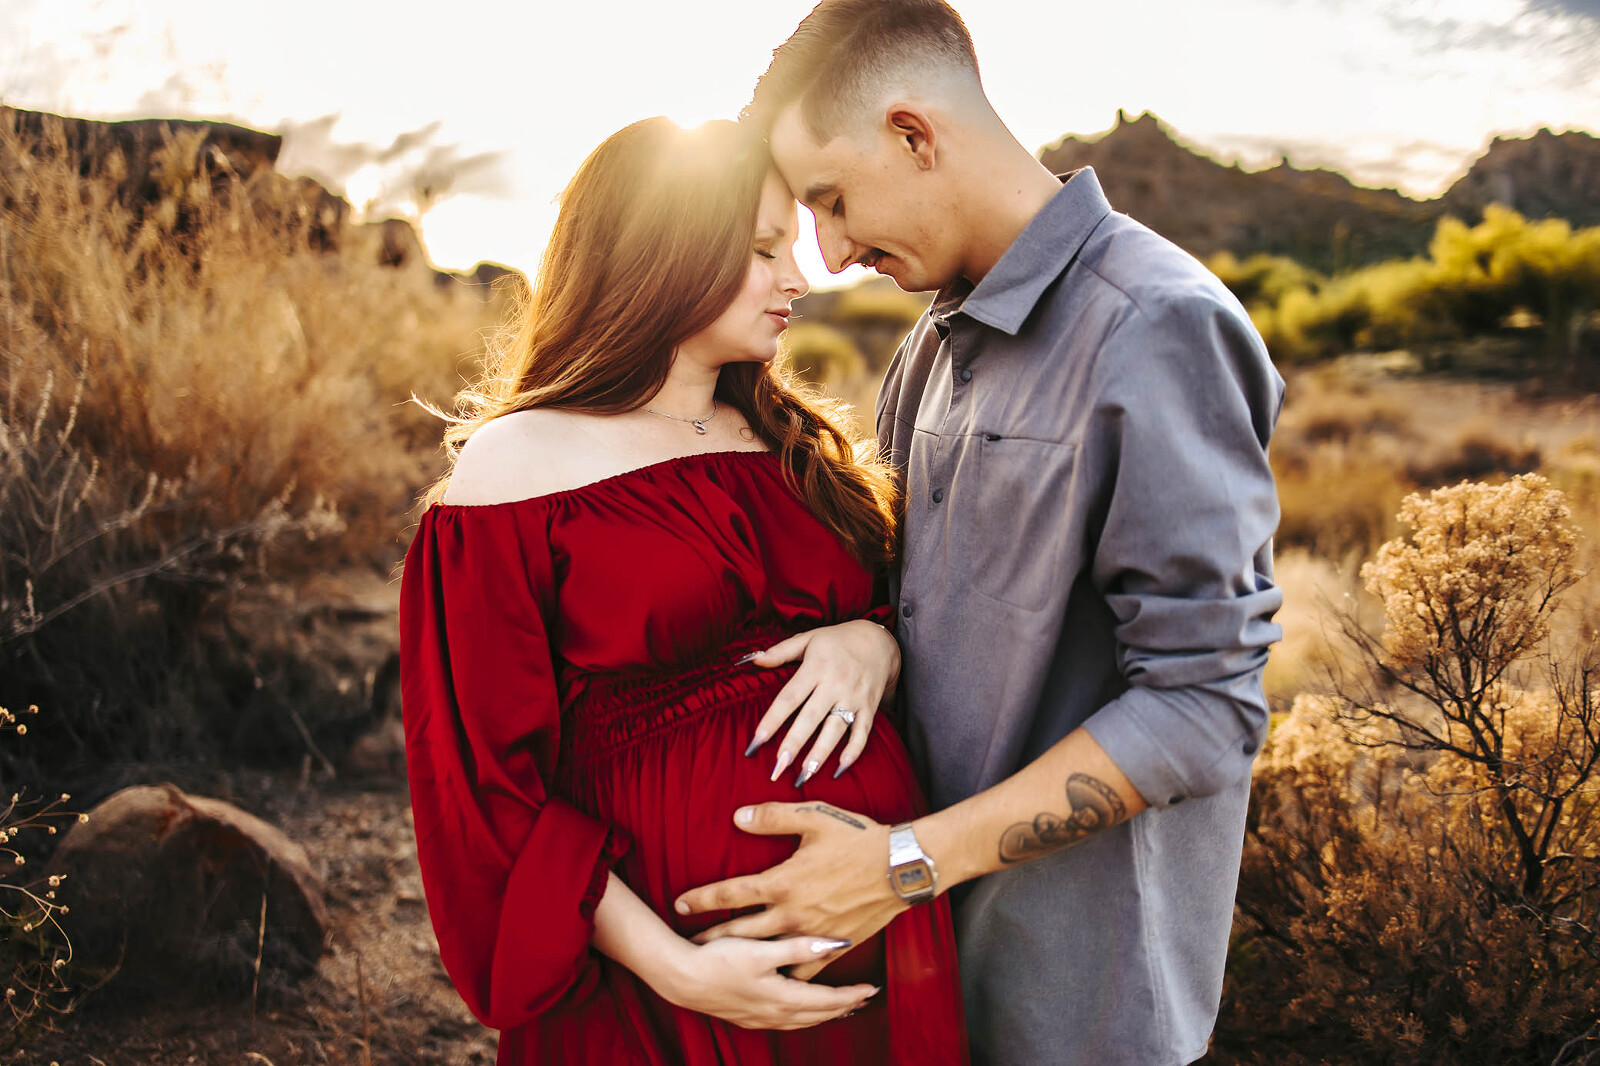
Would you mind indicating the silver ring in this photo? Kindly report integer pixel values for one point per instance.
(848, 715)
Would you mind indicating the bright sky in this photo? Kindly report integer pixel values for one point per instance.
(491, 105)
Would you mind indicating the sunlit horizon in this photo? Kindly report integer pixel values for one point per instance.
(470, 123)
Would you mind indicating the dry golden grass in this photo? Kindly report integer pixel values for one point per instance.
(1311, 647)
(198, 388)
(214, 345)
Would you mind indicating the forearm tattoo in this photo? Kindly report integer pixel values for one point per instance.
(836, 814)
(1093, 804)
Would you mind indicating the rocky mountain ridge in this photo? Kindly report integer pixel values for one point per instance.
(1320, 217)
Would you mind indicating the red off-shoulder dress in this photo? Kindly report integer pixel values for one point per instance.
(572, 705)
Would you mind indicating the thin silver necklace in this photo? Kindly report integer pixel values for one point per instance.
(699, 424)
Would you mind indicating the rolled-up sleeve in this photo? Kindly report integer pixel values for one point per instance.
(1179, 441)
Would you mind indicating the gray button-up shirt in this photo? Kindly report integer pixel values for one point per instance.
(1087, 542)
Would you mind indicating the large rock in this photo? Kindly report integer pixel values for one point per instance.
(168, 887)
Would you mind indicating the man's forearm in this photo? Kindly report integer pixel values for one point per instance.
(1070, 792)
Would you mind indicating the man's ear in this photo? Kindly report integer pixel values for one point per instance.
(913, 128)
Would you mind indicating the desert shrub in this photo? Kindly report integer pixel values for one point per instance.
(1473, 280)
(867, 302)
(820, 354)
(1421, 881)
(1476, 454)
(197, 391)
(1263, 279)
(35, 954)
(1336, 502)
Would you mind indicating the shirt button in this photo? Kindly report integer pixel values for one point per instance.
(938, 495)
(966, 375)
(1175, 800)
(1249, 747)
(907, 610)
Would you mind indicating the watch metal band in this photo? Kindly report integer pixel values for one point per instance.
(911, 872)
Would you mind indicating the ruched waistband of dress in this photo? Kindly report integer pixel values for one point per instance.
(607, 712)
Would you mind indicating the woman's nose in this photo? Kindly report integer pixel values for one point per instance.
(793, 283)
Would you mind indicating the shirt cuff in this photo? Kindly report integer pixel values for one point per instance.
(1177, 744)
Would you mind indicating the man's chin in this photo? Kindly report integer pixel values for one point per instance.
(906, 279)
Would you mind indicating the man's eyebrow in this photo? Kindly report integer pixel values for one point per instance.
(817, 190)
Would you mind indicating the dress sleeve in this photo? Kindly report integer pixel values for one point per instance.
(512, 875)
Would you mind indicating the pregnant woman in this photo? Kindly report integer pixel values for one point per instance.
(639, 502)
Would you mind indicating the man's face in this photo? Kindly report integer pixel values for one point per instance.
(873, 203)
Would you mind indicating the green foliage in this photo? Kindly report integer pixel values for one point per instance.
(1473, 280)
(1263, 279)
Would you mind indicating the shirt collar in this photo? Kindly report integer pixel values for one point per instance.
(1008, 292)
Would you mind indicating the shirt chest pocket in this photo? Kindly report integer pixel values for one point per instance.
(1014, 528)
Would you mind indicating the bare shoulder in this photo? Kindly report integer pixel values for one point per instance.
(514, 457)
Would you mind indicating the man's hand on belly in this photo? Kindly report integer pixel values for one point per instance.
(835, 884)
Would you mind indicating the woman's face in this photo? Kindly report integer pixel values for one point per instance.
(748, 330)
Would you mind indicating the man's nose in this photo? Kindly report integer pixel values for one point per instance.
(838, 251)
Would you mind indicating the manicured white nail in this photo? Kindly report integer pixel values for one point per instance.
(741, 660)
(784, 759)
(829, 944)
(744, 815)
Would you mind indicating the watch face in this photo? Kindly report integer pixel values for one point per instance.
(912, 878)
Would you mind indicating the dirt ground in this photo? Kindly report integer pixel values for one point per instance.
(380, 995)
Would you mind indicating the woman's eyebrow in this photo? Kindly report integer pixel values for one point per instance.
(776, 233)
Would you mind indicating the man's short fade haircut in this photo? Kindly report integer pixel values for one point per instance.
(842, 52)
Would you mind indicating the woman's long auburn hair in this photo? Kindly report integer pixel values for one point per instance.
(652, 244)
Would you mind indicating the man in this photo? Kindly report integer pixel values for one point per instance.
(1085, 595)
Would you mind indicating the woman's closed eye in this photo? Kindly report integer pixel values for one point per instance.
(765, 254)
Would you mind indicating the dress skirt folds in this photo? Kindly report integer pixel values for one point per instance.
(573, 704)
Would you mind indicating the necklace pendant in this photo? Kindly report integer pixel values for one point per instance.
(699, 427)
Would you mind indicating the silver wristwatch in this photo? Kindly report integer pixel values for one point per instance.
(911, 872)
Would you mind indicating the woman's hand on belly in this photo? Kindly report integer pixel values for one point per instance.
(852, 666)
(735, 979)
(738, 980)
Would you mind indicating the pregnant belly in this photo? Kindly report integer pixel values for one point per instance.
(666, 763)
